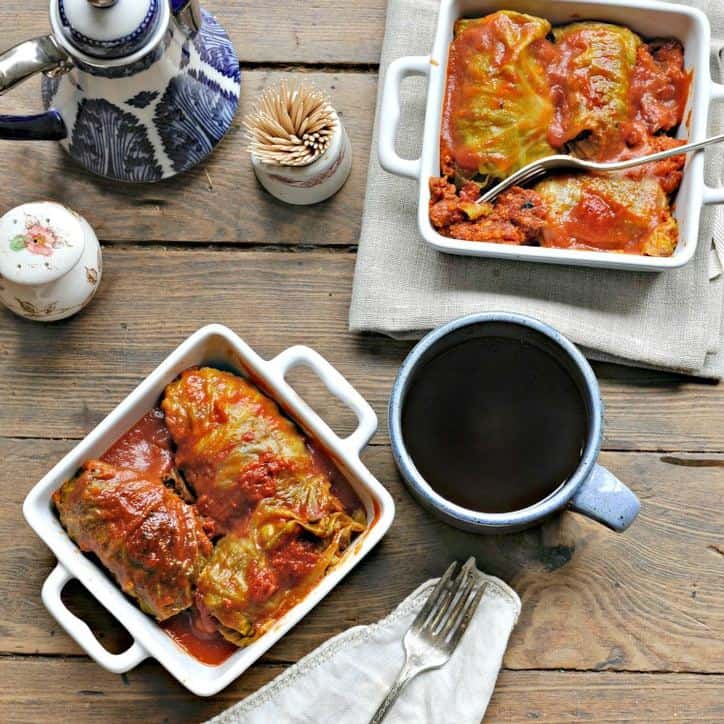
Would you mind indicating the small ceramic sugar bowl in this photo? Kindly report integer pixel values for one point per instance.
(50, 261)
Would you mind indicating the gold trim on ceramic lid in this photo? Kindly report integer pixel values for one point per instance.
(39, 243)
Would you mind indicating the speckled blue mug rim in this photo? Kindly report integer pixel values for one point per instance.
(519, 518)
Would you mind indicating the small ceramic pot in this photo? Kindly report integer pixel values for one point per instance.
(50, 261)
(304, 185)
(591, 489)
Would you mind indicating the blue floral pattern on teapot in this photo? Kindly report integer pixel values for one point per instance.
(147, 119)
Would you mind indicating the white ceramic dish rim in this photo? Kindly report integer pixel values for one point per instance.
(630, 12)
(211, 344)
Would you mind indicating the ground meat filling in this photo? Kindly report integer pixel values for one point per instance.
(517, 217)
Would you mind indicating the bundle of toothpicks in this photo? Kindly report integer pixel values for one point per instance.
(292, 124)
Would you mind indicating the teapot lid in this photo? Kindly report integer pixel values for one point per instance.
(39, 243)
(108, 28)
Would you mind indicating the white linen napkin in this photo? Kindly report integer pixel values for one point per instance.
(346, 678)
(402, 287)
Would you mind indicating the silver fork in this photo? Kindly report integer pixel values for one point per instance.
(543, 166)
(438, 628)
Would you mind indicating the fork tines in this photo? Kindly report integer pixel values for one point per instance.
(451, 605)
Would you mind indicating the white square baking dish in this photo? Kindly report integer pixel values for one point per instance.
(219, 346)
(647, 18)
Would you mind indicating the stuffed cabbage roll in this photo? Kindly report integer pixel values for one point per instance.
(256, 574)
(590, 69)
(518, 90)
(235, 448)
(143, 533)
(498, 104)
(612, 213)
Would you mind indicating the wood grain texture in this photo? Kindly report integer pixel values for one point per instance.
(218, 202)
(649, 600)
(604, 615)
(324, 31)
(83, 692)
(67, 376)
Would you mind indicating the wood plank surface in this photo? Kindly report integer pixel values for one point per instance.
(649, 600)
(83, 692)
(323, 31)
(217, 202)
(66, 377)
(613, 627)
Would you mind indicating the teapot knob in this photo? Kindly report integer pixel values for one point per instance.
(103, 3)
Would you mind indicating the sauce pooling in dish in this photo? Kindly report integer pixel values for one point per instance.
(145, 448)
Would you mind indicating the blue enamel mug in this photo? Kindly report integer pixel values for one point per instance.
(590, 489)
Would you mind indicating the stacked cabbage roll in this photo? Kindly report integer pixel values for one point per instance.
(256, 478)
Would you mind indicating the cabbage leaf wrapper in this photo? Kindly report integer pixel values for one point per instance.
(498, 104)
(590, 74)
(144, 534)
(614, 212)
(257, 574)
(235, 448)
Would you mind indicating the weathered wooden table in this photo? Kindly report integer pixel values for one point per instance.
(614, 627)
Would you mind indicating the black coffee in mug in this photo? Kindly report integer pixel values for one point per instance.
(494, 423)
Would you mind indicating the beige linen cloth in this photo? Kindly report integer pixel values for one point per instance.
(346, 679)
(402, 287)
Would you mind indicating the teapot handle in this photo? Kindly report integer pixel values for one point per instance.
(188, 13)
(41, 55)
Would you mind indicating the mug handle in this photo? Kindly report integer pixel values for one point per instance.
(41, 55)
(607, 500)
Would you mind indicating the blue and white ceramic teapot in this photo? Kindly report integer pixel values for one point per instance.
(135, 90)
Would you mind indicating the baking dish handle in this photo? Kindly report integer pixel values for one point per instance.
(712, 194)
(79, 630)
(389, 118)
(336, 384)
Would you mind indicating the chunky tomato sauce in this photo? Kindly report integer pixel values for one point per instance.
(597, 222)
(516, 93)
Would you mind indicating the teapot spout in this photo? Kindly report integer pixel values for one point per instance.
(188, 14)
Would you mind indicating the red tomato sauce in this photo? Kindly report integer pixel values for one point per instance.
(597, 222)
(340, 485)
(189, 632)
(293, 561)
(653, 94)
(147, 448)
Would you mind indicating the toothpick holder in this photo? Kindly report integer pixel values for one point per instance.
(304, 185)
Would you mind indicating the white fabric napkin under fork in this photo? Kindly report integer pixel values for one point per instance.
(346, 678)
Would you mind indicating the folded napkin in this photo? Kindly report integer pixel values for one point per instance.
(402, 287)
(346, 678)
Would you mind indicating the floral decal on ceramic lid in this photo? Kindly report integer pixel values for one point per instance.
(39, 243)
